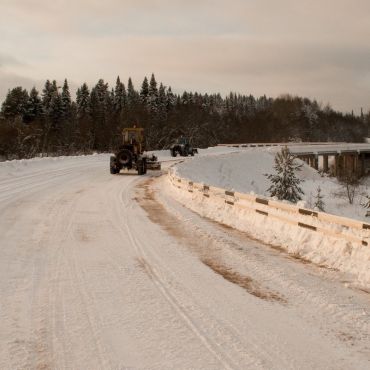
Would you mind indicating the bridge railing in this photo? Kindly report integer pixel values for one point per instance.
(331, 225)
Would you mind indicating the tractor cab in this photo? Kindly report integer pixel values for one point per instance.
(183, 140)
(134, 138)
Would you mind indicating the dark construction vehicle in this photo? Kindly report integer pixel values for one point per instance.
(183, 148)
(131, 154)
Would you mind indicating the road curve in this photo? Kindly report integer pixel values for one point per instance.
(109, 272)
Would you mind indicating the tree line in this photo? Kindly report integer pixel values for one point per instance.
(52, 123)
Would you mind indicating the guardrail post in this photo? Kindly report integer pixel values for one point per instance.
(190, 186)
(230, 197)
(206, 191)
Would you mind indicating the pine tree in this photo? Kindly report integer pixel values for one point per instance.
(119, 97)
(47, 94)
(83, 101)
(319, 203)
(15, 103)
(55, 112)
(100, 104)
(162, 103)
(153, 95)
(66, 101)
(285, 184)
(34, 107)
(144, 92)
(85, 127)
(100, 94)
(171, 99)
(185, 98)
(131, 95)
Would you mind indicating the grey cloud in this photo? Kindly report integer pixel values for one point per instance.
(8, 60)
(10, 80)
(307, 47)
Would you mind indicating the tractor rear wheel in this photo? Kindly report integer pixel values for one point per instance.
(124, 158)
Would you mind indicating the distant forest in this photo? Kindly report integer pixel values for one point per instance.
(52, 123)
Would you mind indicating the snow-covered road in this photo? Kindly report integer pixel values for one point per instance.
(110, 272)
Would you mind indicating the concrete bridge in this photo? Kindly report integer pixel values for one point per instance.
(336, 159)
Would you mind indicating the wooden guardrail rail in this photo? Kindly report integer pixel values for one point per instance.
(325, 223)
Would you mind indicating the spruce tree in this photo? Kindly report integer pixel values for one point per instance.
(66, 101)
(119, 97)
(171, 99)
(144, 92)
(47, 94)
(55, 111)
(153, 95)
(83, 101)
(162, 103)
(33, 107)
(131, 95)
(15, 103)
(285, 184)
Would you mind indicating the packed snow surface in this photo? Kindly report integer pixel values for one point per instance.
(112, 272)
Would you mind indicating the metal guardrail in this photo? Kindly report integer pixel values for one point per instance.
(324, 223)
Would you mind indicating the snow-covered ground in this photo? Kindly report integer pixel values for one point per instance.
(245, 172)
(111, 272)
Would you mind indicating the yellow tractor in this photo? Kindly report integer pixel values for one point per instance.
(131, 154)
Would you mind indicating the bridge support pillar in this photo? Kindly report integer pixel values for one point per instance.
(336, 165)
(325, 163)
(361, 159)
(316, 162)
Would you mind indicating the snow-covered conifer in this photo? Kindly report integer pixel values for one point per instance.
(285, 183)
(131, 95)
(83, 101)
(33, 107)
(153, 95)
(171, 99)
(66, 100)
(144, 92)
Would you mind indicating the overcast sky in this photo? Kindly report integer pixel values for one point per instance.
(319, 49)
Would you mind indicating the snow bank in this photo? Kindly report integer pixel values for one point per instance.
(22, 167)
(332, 252)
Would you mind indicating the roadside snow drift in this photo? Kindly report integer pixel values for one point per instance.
(245, 171)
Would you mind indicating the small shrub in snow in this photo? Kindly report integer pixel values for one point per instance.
(350, 183)
(319, 203)
(285, 183)
(366, 204)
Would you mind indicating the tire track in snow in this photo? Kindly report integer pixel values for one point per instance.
(159, 215)
(152, 272)
(316, 292)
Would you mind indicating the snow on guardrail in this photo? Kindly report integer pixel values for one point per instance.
(333, 241)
